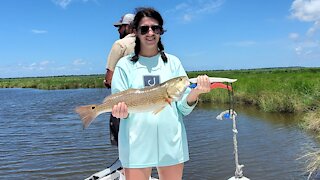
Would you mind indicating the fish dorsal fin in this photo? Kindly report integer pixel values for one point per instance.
(128, 91)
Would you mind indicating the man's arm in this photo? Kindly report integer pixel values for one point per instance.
(115, 54)
(108, 78)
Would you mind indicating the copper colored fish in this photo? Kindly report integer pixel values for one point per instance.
(149, 99)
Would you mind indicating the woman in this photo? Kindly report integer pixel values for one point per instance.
(147, 140)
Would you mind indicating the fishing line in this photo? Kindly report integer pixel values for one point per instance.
(229, 114)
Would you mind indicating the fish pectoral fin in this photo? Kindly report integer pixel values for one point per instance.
(168, 100)
(158, 110)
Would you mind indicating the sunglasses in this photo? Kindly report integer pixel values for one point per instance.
(155, 28)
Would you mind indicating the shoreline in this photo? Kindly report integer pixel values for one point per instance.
(282, 90)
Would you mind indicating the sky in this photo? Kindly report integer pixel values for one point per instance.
(74, 37)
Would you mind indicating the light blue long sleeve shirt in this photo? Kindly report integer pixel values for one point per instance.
(147, 139)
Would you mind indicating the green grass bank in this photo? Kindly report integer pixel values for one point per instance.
(54, 82)
(285, 90)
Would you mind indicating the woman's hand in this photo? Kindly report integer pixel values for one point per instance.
(203, 86)
(120, 110)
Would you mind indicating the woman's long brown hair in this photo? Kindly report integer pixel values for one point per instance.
(152, 13)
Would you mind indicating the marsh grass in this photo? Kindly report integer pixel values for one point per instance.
(54, 82)
(311, 121)
(287, 90)
(312, 161)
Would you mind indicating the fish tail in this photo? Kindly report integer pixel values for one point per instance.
(87, 114)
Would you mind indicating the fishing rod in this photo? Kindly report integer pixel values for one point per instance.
(225, 115)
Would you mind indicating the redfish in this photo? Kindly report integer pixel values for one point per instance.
(148, 99)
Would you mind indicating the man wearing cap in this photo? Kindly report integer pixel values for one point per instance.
(120, 48)
(122, 25)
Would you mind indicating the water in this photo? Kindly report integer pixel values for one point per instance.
(41, 137)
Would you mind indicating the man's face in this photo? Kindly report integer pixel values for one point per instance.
(123, 30)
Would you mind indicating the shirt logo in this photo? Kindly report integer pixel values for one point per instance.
(151, 80)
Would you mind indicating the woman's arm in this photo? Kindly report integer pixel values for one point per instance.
(203, 86)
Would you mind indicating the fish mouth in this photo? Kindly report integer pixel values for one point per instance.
(177, 87)
(182, 89)
(187, 83)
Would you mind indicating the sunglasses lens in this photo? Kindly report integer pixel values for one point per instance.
(155, 28)
(144, 30)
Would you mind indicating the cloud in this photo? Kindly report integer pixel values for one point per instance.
(47, 68)
(42, 65)
(298, 50)
(62, 3)
(52, 66)
(306, 11)
(65, 3)
(306, 47)
(79, 62)
(312, 30)
(294, 36)
(187, 11)
(187, 17)
(37, 31)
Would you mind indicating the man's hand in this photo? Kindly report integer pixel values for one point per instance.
(107, 80)
(107, 84)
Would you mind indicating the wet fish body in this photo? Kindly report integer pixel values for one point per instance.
(149, 99)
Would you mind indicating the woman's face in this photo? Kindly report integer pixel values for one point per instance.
(149, 32)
